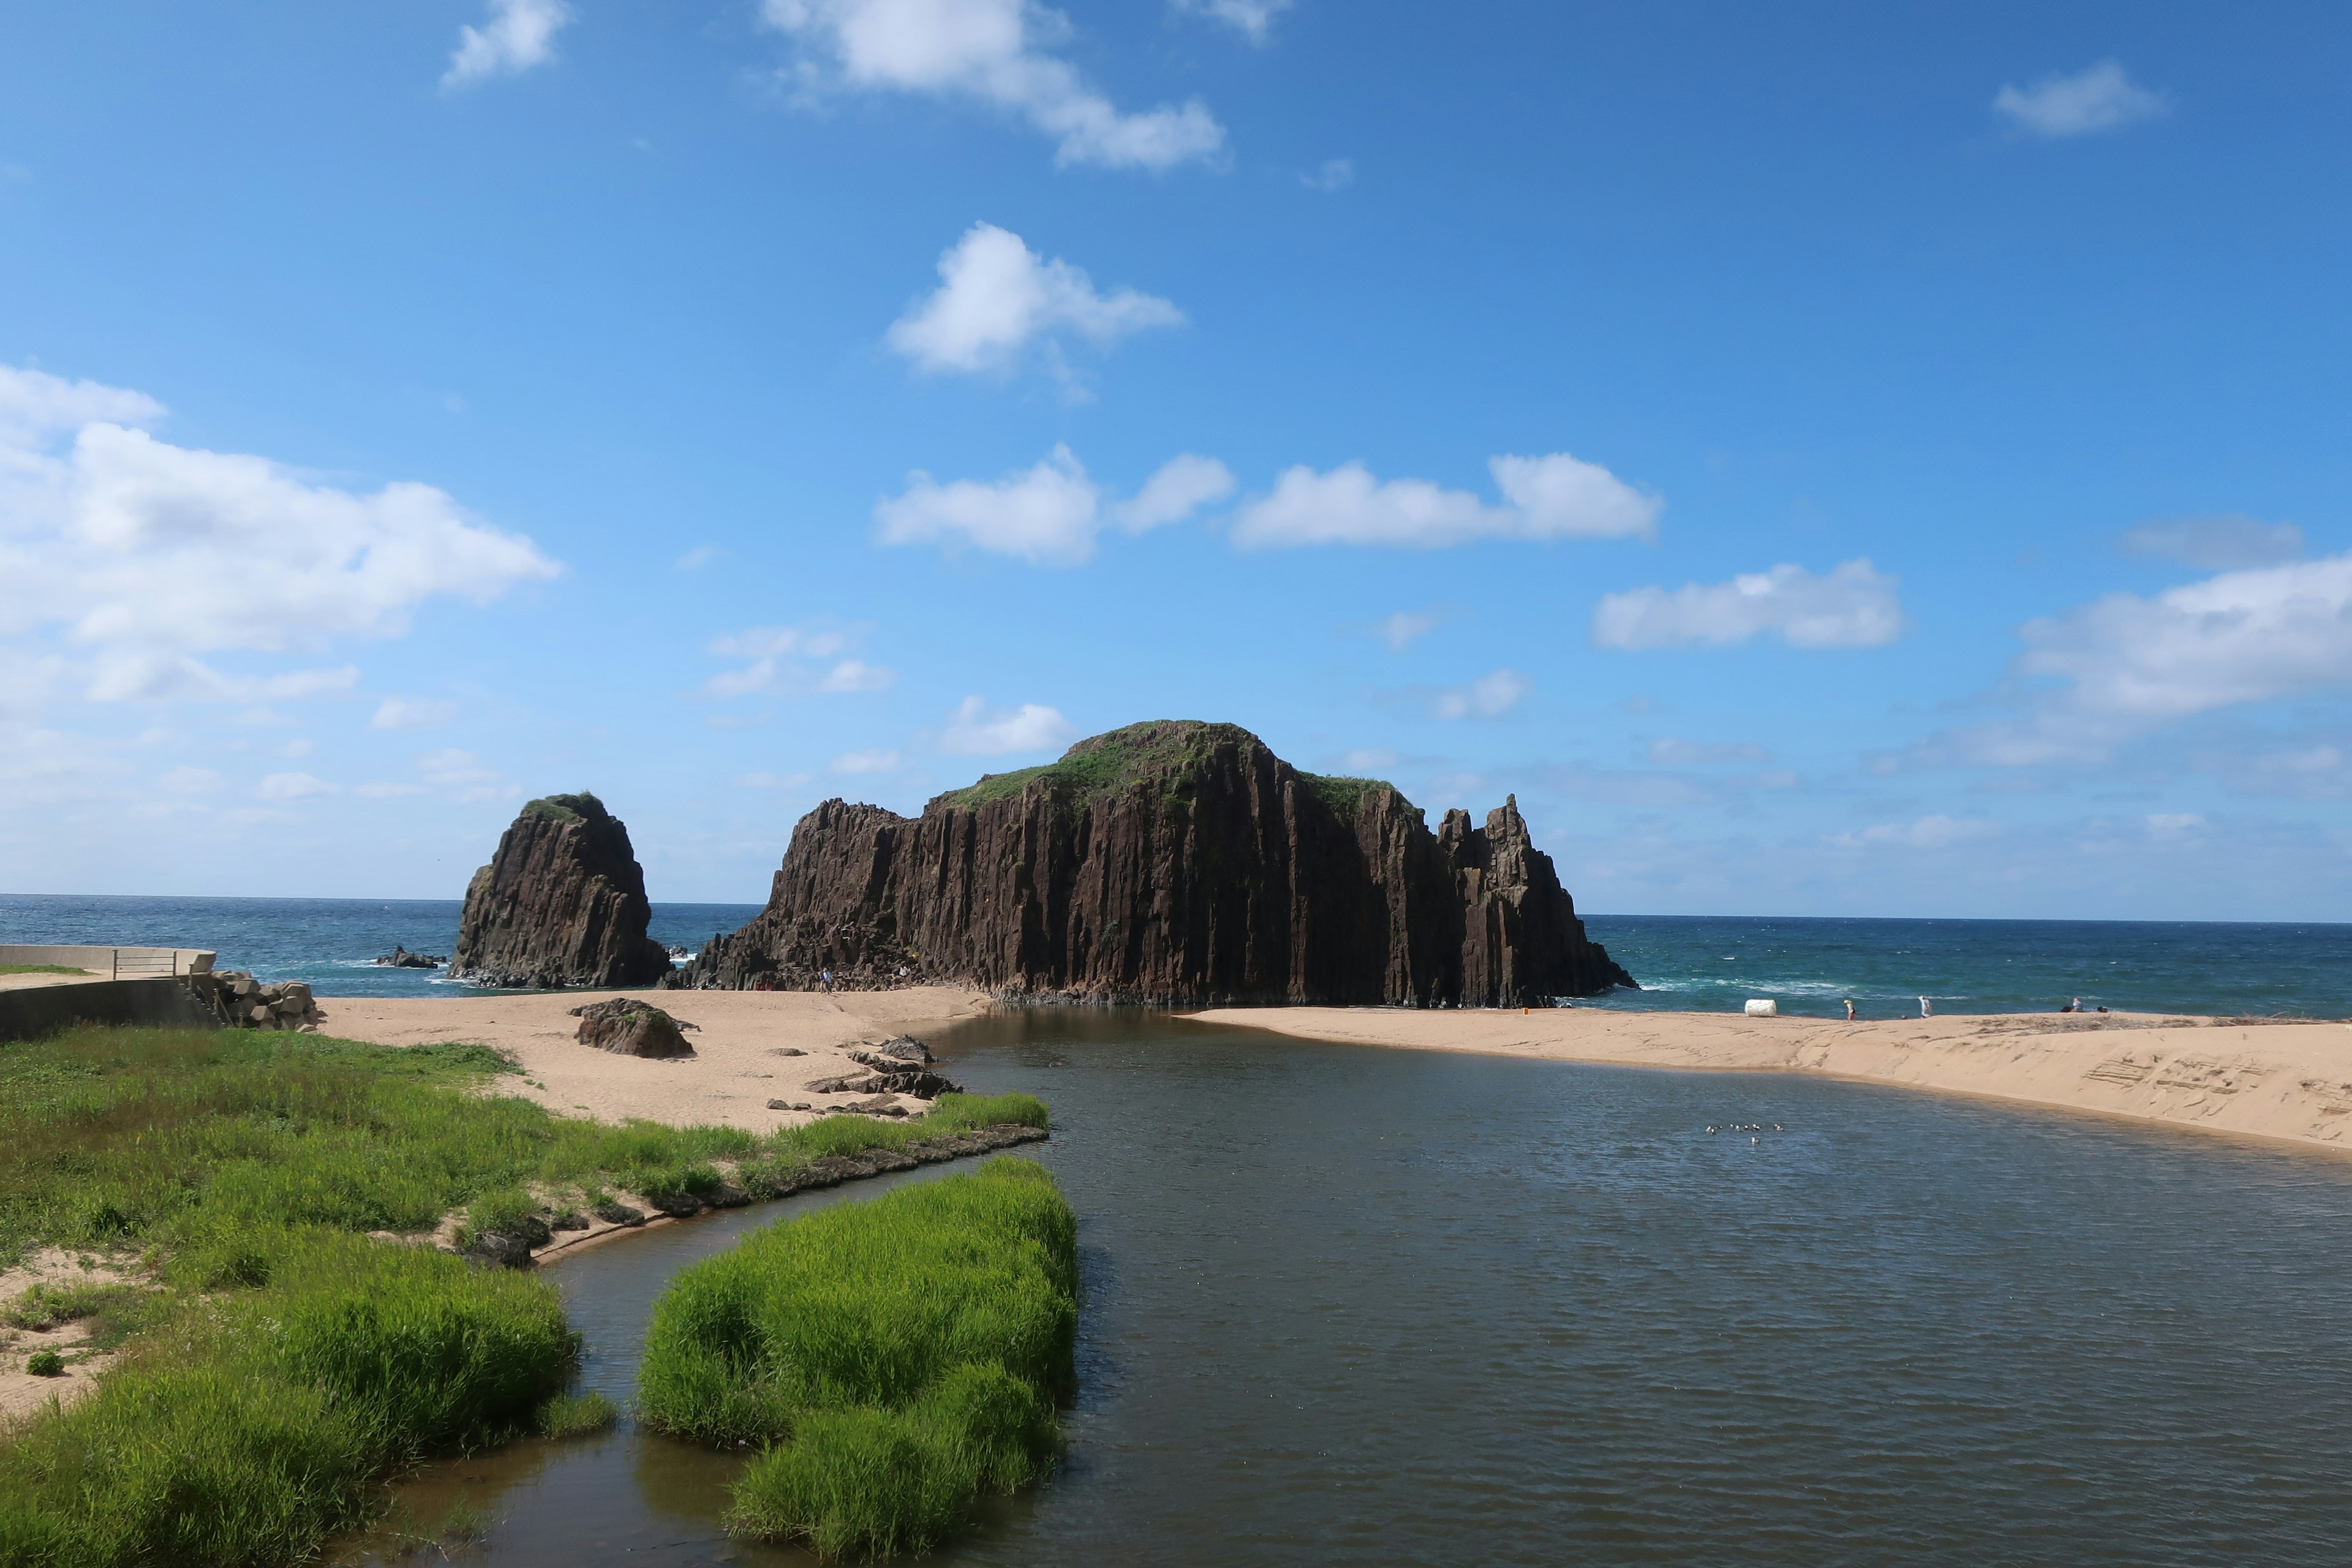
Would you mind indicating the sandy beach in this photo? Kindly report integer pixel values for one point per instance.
(738, 1064)
(2286, 1081)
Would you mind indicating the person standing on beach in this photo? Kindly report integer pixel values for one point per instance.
(1926, 1008)
(1849, 1009)
(825, 979)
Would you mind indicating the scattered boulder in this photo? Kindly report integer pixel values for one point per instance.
(611, 1211)
(241, 1001)
(788, 1051)
(789, 1105)
(919, 1082)
(500, 1249)
(905, 1051)
(400, 958)
(562, 902)
(880, 1105)
(677, 1206)
(569, 1219)
(632, 1028)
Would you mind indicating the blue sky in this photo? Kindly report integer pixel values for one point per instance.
(1823, 460)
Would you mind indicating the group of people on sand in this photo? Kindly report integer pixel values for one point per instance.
(1928, 1008)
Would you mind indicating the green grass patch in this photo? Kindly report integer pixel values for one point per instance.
(577, 1415)
(43, 969)
(277, 1364)
(45, 1364)
(894, 1360)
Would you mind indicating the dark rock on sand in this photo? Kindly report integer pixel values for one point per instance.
(500, 1248)
(677, 1206)
(613, 1212)
(628, 1028)
(562, 902)
(1169, 863)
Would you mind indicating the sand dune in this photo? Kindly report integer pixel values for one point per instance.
(2289, 1081)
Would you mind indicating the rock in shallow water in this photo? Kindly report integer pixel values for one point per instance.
(562, 902)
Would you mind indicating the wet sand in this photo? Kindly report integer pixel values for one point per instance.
(2286, 1081)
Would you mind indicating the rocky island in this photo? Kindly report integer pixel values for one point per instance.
(562, 902)
(1169, 863)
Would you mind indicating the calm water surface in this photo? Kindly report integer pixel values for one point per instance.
(1384, 1308)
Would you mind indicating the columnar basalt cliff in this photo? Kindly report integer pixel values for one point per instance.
(561, 903)
(1172, 863)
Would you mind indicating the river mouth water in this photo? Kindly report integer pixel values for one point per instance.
(1360, 1306)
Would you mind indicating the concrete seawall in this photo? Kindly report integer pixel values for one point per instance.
(28, 1015)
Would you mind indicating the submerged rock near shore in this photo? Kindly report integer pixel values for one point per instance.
(1172, 863)
(561, 903)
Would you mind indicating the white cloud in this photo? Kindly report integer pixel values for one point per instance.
(1488, 696)
(976, 730)
(1183, 485)
(463, 775)
(871, 761)
(2102, 97)
(1937, 832)
(1368, 761)
(1047, 515)
(995, 51)
(856, 675)
(1554, 497)
(294, 787)
(1402, 629)
(788, 661)
(1252, 18)
(2217, 543)
(1666, 752)
(412, 713)
(118, 541)
(2241, 636)
(1336, 175)
(386, 791)
(189, 781)
(518, 35)
(996, 297)
(2173, 824)
(1854, 605)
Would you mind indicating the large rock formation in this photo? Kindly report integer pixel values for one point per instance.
(1168, 863)
(561, 903)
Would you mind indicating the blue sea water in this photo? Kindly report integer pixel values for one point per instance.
(1685, 964)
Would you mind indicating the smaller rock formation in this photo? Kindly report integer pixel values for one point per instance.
(632, 1028)
(400, 958)
(561, 903)
(241, 1001)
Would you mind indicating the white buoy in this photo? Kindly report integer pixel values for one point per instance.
(1762, 1007)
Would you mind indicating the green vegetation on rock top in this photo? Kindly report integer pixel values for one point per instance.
(1172, 754)
(567, 807)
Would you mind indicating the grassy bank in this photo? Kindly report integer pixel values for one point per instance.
(277, 1362)
(894, 1360)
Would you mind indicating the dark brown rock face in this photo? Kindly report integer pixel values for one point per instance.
(1167, 863)
(631, 1028)
(561, 903)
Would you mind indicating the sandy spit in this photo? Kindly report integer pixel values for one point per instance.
(2286, 1081)
(735, 1070)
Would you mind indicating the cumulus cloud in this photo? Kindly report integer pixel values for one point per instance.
(1488, 696)
(1184, 484)
(1553, 497)
(1937, 832)
(1253, 19)
(2241, 636)
(872, 761)
(1048, 515)
(2101, 97)
(465, 775)
(995, 51)
(2221, 543)
(518, 34)
(1854, 605)
(997, 297)
(976, 730)
(189, 781)
(412, 713)
(785, 661)
(115, 542)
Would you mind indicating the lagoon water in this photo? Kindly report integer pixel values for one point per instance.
(1699, 962)
(1367, 1307)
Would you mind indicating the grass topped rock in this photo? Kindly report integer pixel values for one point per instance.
(628, 1028)
(562, 902)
